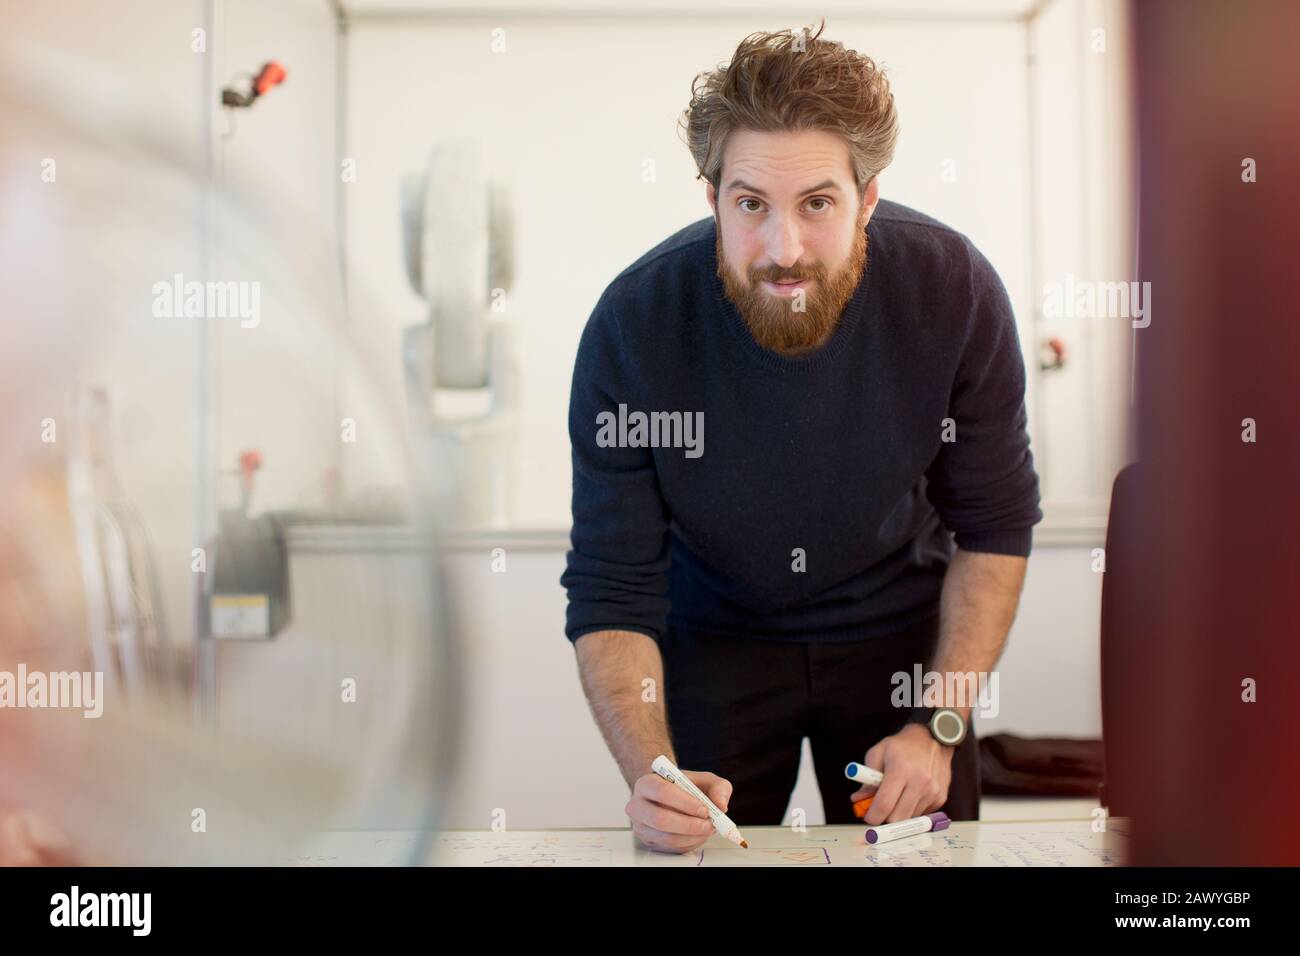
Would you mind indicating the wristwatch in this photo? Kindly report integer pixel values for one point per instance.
(946, 725)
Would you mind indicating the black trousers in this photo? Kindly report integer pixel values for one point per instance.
(741, 708)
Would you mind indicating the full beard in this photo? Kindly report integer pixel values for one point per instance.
(773, 321)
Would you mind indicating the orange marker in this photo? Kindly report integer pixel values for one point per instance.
(861, 807)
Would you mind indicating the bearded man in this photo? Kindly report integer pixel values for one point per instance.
(865, 500)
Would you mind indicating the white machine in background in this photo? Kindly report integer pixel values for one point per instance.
(460, 375)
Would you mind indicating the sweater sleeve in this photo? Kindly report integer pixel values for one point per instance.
(616, 572)
(983, 483)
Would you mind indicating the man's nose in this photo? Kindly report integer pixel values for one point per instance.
(784, 243)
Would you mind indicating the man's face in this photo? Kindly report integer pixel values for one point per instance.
(791, 234)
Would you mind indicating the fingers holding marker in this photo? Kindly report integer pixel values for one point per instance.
(690, 782)
(656, 789)
(666, 842)
(886, 801)
(871, 780)
(910, 802)
(898, 801)
(716, 788)
(667, 819)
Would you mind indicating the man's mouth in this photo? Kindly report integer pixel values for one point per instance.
(786, 288)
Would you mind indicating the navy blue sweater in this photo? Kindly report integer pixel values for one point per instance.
(821, 502)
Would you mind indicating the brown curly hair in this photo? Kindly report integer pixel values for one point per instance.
(788, 82)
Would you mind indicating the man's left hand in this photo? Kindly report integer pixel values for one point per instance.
(917, 770)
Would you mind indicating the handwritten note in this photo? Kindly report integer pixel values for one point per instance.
(359, 848)
(580, 848)
(1005, 844)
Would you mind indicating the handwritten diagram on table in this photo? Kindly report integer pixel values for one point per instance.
(1029, 843)
(756, 856)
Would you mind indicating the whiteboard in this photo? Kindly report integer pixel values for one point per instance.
(1000, 844)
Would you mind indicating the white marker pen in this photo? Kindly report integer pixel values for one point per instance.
(906, 828)
(860, 773)
(721, 822)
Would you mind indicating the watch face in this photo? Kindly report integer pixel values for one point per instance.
(948, 727)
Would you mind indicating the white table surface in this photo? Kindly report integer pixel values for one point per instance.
(1075, 840)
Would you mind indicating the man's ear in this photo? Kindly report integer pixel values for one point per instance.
(870, 198)
(711, 195)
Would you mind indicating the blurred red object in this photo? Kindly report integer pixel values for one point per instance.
(1208, 710)
(272, 74)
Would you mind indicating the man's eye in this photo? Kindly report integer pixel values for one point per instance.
(819, 199)
(755, 201)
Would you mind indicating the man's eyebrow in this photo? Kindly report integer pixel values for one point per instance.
(824, 186)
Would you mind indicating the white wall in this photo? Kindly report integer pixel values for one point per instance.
(1083, 227)
(279, 382)
(568, 115)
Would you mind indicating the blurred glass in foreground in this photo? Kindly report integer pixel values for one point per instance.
(127, 734)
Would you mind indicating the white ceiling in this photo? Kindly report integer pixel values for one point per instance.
(894, 9)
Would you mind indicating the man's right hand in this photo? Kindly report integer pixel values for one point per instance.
(668, 819)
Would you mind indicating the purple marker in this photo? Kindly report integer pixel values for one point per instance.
(906, 828)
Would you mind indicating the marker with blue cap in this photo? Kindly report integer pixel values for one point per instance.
(861, 773)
